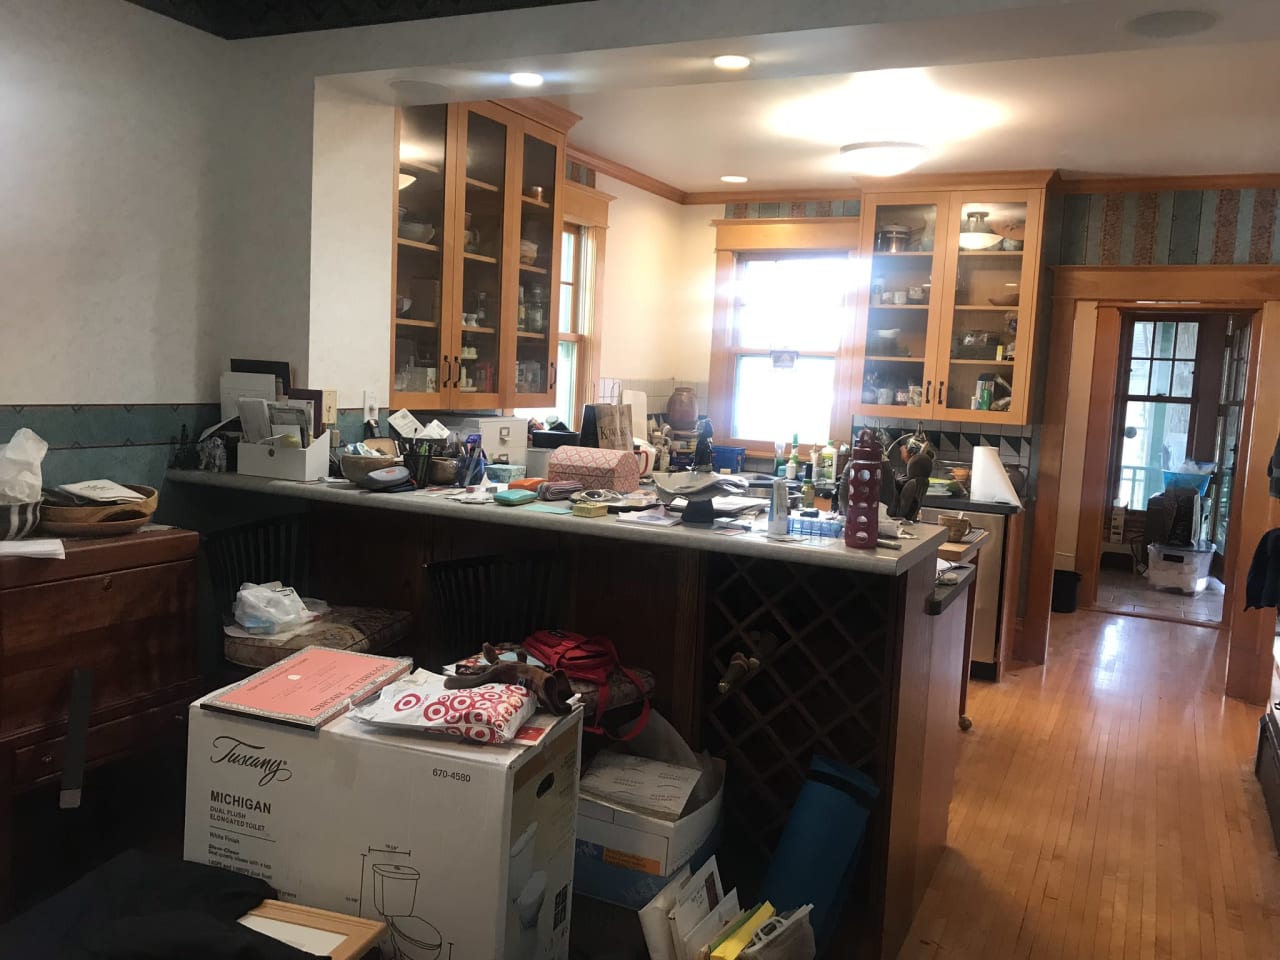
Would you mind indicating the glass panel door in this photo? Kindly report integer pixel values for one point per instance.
(539, 313)
(978, 362)
(419, 272)
(478, 357)
(901, 312)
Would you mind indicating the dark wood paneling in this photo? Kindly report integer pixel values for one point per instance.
(85, 557)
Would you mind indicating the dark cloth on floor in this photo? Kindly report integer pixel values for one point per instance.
(143, 907)
(1262, 588)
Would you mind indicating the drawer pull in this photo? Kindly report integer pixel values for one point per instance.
(47, 758)
(106, 583)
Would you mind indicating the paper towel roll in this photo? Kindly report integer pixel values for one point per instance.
(989, 482)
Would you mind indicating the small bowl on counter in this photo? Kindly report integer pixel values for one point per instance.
(356, 468)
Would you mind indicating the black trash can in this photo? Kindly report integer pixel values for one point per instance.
(1066, 591)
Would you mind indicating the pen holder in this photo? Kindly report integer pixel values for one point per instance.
(419, 467)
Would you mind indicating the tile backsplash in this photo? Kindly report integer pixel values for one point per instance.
(955, 441)
(659, 391)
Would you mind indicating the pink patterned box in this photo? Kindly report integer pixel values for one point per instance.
(596, 469)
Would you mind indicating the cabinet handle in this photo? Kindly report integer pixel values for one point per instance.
(448, 371)
(47, 758)
(942, 392)
(106, 583)
(457, 375)
(928, 392)
(554, 376)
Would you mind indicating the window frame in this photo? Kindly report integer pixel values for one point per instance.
(825, 236)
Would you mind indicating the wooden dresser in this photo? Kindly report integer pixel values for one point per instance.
(117, 620)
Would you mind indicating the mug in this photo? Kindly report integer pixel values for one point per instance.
(644, 458)
(957, 527)
(885, 396)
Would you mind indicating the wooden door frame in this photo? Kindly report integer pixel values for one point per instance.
(1225, 288)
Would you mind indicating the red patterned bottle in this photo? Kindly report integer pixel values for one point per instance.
(862, 522)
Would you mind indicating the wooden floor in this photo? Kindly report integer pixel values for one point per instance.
(1105, 807)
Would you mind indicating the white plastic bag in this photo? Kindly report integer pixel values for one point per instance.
(20, 461)
(269, 608)
(492, 713)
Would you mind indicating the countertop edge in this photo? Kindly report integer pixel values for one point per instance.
(830, 554)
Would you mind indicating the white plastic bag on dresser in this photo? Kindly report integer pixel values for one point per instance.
(20, 461)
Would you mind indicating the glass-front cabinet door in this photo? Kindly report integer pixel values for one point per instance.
(421, 283)
(992, 261)
(539, 253)
(481, 311)
(899, 317)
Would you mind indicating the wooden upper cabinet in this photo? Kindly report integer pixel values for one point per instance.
(946, 318)
(477, 257)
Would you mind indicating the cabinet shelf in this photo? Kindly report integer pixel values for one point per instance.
(419, 168)
(978, 308)
(417, 245)
(466, 329)
(530, 268)
(990, 253)
(535, 203)
(481, 185)
(526, 335)
(982, 363)
(426, 324)
(904, 253)
(899, 306)
(479, 258)
(880, 359)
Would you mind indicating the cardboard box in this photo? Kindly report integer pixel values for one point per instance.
(465, 851)
(282, 463)
(626, 858)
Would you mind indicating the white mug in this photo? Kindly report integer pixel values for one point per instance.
(644, 458)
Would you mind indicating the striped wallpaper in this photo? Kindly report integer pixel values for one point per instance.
(1170, 227)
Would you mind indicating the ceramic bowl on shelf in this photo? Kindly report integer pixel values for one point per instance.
(528, 252)
(417, 231)
(1005, 299)
(1010, 229)
(888, 334)
(402, 306)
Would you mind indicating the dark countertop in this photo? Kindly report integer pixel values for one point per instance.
(970, 506)
(946, 594)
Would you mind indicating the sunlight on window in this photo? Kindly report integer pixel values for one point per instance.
(771, 404)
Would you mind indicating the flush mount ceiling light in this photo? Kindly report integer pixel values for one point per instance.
(1166, 24)
(731, 61)
(733, 179)
(976, 234)
(526, 79)
(882, 158)
(406, 179)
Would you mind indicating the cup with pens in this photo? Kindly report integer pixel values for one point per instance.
(418, 454)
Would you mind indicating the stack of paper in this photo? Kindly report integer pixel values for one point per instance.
(692, 918)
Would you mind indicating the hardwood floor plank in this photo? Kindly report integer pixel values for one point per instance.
(1105, 807)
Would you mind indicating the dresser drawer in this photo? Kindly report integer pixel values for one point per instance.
(43, 761)
(135, 629)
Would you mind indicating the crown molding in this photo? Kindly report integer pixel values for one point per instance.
(620, 171)
(1108, 184)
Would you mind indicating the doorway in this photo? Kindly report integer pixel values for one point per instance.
(1175, 432)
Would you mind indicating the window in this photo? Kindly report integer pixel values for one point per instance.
(789, 311)
(1157, 405)
(578, 251)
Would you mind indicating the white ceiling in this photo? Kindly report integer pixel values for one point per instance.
(1191, 110)
(1008, 84)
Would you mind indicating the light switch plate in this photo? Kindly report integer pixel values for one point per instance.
(330, 405)
(370, 405)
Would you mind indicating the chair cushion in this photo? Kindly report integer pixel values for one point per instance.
(362, 629)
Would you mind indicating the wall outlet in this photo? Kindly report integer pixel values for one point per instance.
(370, 405)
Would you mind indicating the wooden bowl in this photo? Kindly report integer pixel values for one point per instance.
(1005, 300)
(356, 468)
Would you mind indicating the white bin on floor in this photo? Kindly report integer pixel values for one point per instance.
(1178, 568)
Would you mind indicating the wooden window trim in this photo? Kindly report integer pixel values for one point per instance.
(833, 235)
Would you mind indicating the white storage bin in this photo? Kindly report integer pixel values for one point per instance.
(1178, 568)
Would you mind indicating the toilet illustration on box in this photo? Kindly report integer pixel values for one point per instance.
(526, 891)
(395, 888)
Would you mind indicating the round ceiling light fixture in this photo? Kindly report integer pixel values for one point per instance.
(732, 178)
(1167, 24)
(526, 79)
(883, 158)
(731, 61)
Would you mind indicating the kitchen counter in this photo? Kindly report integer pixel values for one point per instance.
(815, 552)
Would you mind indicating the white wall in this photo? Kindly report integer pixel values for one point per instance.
(349, 336)
(659, 284)
(109, 133)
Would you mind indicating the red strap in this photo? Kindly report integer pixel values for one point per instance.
(596, 663)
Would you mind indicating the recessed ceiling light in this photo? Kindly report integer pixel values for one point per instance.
(1164, 24)
(732, 61)
(882, 158)
(733, 179)
(526, 79)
